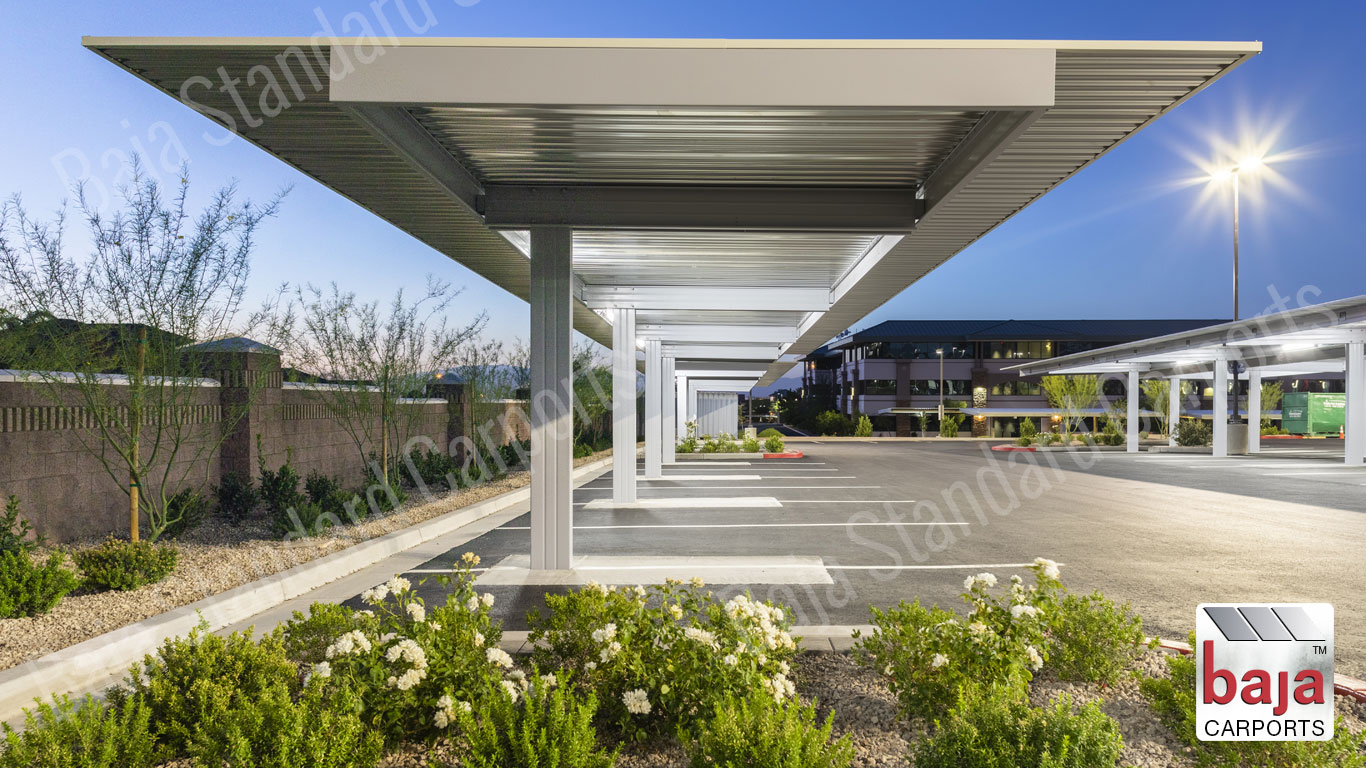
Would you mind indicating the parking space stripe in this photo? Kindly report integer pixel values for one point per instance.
(739, 525)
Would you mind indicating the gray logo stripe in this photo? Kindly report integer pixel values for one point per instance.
(1265, 623)
(1231, 623)
(1299, 624)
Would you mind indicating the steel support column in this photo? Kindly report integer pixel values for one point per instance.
(666, 410)
(1254, 411)
(654, 400)
(681, 407)
(1220, 404)
(623, 406)
(1355, 417)
(1131, 412)
(1173, 408)
(552, 421)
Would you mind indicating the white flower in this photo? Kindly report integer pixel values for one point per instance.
(472, 604)
(470, 558)
(1016, 580)
(938, 661)
(353, 642)
(977, 628)
(612, 649)
(418, 612)
(479, 638)
(676, 612)
(784, 668)
(398, 585)
(640, 592)
(779, 687)
(407, 680)
(988, 579)
(1018, 610)
(548, 680)
(322, 670)
(700, 635)
(697, 582)
(375, 595)
(637, 702)
(968, 583)
(1035, 660)
(590, 666)
(1050, 568)
(729, 660)
(441, 719)
(512, 689)
(605, 633)
(498, 657)
(409, 651)
(593, 586)
(486, 599)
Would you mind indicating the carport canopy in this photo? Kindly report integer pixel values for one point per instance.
(729, 203)
(1319, 338)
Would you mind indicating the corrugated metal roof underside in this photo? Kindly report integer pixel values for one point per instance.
(1102, 98)
(1023, 330)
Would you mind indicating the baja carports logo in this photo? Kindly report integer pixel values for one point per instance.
(1264, 672)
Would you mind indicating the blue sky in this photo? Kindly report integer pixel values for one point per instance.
(1131, 236)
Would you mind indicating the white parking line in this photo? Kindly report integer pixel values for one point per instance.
(969, 566)
(847, 501)
(675, 478)
(1341, 473)
(733, 487)
(734, 525)
(735, 502)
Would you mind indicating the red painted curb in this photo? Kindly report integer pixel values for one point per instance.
(788, 455)
(1029, 448)
(1343, 685)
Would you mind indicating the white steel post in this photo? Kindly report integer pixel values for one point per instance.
(1220, 404)
(1354, 424)
(1254, 411)
(624, 405)
(667, 411)
(1131, 414)
(681, 407)
(654, 420)
(552, 420)
(1173, 408)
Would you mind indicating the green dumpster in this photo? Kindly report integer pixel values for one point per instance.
(1313, 413)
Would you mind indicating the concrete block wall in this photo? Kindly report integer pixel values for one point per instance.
(67, 494)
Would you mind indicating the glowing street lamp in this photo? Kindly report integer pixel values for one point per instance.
(1249, 163)
(940, 352)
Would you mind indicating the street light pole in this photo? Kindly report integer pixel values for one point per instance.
(1235, 244)
(940, 352)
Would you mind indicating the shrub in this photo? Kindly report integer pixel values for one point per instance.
(15, 531)
(125, 565)
(751, 445)
(280, 492)
(83, 735)
(759, 731)
(515, 452)
(306, 638)
(930, 655)
(1112, 433)
(948, 426)
(833, 423)
(1027, 431)
(1173, 698)
(1193, 432)
(770, 432)
(1092, 639)
(434, 468)
(185, 512)
(383, 496)
(864, 427)
(773, 444)
(321, 730)
(688, 445)
(31, 590)
(659, 655)
(994, 728)
(193, 680)
(538, 724)
(408, 657)
(319, 486)
(237, 497)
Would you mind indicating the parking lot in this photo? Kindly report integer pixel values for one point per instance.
(860, 523)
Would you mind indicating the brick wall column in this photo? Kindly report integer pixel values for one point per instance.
(460, 415)
(251, 380)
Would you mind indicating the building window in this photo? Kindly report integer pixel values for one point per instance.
(931, 386)
(920, 350)
(1019, 350)
(879, 386)
(1016, 387)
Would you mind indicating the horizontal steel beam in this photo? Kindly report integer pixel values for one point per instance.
(687, 297)
(702, 334)
(785, 209)
(720, 368)
(992, 134)
(758, 352)
(401, 132)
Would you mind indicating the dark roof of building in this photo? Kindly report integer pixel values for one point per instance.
(1016, 330)
(234, 344)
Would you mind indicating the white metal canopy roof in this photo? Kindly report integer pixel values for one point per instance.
(750, 198)
(1295, 342)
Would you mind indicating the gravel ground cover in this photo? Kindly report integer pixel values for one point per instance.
(212, 559)
(866, 710)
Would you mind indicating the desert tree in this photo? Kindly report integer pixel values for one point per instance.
(1272, 394)
(111, 337)
(1071, 395)
(1158, 393)
(368, 359)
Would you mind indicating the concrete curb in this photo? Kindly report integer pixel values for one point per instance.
(87, 663)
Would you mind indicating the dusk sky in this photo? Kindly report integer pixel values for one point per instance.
(1138, 234)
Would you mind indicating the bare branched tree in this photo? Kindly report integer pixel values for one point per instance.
(369, 359)
(110, 338)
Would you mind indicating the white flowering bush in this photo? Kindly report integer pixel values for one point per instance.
(930, 654)
(658, 657)
(415, 668)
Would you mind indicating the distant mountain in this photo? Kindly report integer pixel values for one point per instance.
(784, 383)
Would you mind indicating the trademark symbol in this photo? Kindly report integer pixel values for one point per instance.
(1320, 649)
